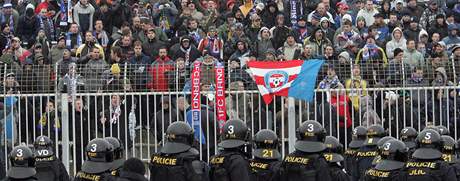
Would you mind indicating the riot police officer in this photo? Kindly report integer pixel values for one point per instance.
(117, 155)
(48, 167)
(393, 157)
(426, 163)
(267, 158)
(231, 164)
(366, 153)
(22, 162)
(333, 155)
(357, 140)
(449, 146)
(408, 135)
(99, 158)
(380, 143)
(132, 170)
(443, 130)
(177, 159)
(307, 162)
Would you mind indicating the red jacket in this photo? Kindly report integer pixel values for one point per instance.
(158, 80)
(343, 108)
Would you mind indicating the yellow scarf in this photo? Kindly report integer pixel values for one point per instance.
(246, 8)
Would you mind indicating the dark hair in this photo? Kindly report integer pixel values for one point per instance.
(347, 22)
(409, 40)
(116, 50)
(137, 43)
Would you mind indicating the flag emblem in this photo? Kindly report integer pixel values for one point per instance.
(275, 80)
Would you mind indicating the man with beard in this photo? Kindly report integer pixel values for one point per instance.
(186, 50)
(162, 64)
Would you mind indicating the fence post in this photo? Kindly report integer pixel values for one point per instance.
(291, 123)
(65, 131)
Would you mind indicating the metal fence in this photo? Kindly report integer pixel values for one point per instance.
(140, 119)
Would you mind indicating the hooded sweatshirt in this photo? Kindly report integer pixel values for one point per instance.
(393, 44)
(452, 40)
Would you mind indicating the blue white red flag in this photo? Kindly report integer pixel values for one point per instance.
(294, 78)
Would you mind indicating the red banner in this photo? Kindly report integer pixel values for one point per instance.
(196, 96)
(220, 95)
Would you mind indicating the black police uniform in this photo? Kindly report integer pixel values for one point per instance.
(408, 135)
(448, 153)
(99, 154)
(380, 143)
(333, 155)
(48, 167)
(426, 163)
(22, 164)
(358, 137)
(266, 162)
(393, 155)
(443, 131)
(133, 170)
(118, 161)
(231, 164)
(307, 162)
(177, 160)
(366, 153)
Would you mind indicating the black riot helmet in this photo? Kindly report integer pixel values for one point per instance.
(408, 135)
(117, 147)
(266, 145)
(334, 150)
(383, 140)
(394, 155)
(374, 134)
(22, 161)
(43, 147)
(358, 136)
(428, 145)
(99, 154)
(235, 134)
(310, 137)
(448, 148)
(179, 138)
(443, 130)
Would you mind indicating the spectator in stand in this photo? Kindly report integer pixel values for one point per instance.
(136, 27)
(343, 65)
(393, 22)
(270, 55)
(64, 62)
(73, 38)
(291, 49)
(208, 74)
(237, 34)
(382, 28)
(113, 121)
(236, 73)
(414, 30)
(104, 14)
(342, 10)
(329, 54)
(397, 70)
(414, 8)
(46, 23)
(269, 14)
(164, 12)
(453, 38)
(151, 46)
(347, 37)
(28, 25)
(330, 79)
(93, 70)
(397, 41)
(158, 81)
(242, 52)
(368, 12)
(301, 30)
(49, 123)
(361, 26)
(115, 80)
(327, 28)
(178, 76)
(371, 52)
(116, 55)
(413, 57)
(138, 67)
(194, 31)
(165, 115)
(279, 32)
(262, 44)
(57, 50)
(126, 46)
(120, 13)
(318, 42)
(185, 50)
(100, 34)
(253, 29)
(20, 54)
(83, 13)
(213, 45)
(356, 86)
(322, 12)
(429, 15)
(88, 46)
(307, 53)
(439, 26)
(9, 16)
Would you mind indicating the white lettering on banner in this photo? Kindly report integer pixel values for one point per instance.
(220, 96)
(43, 152)
(196, 75)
